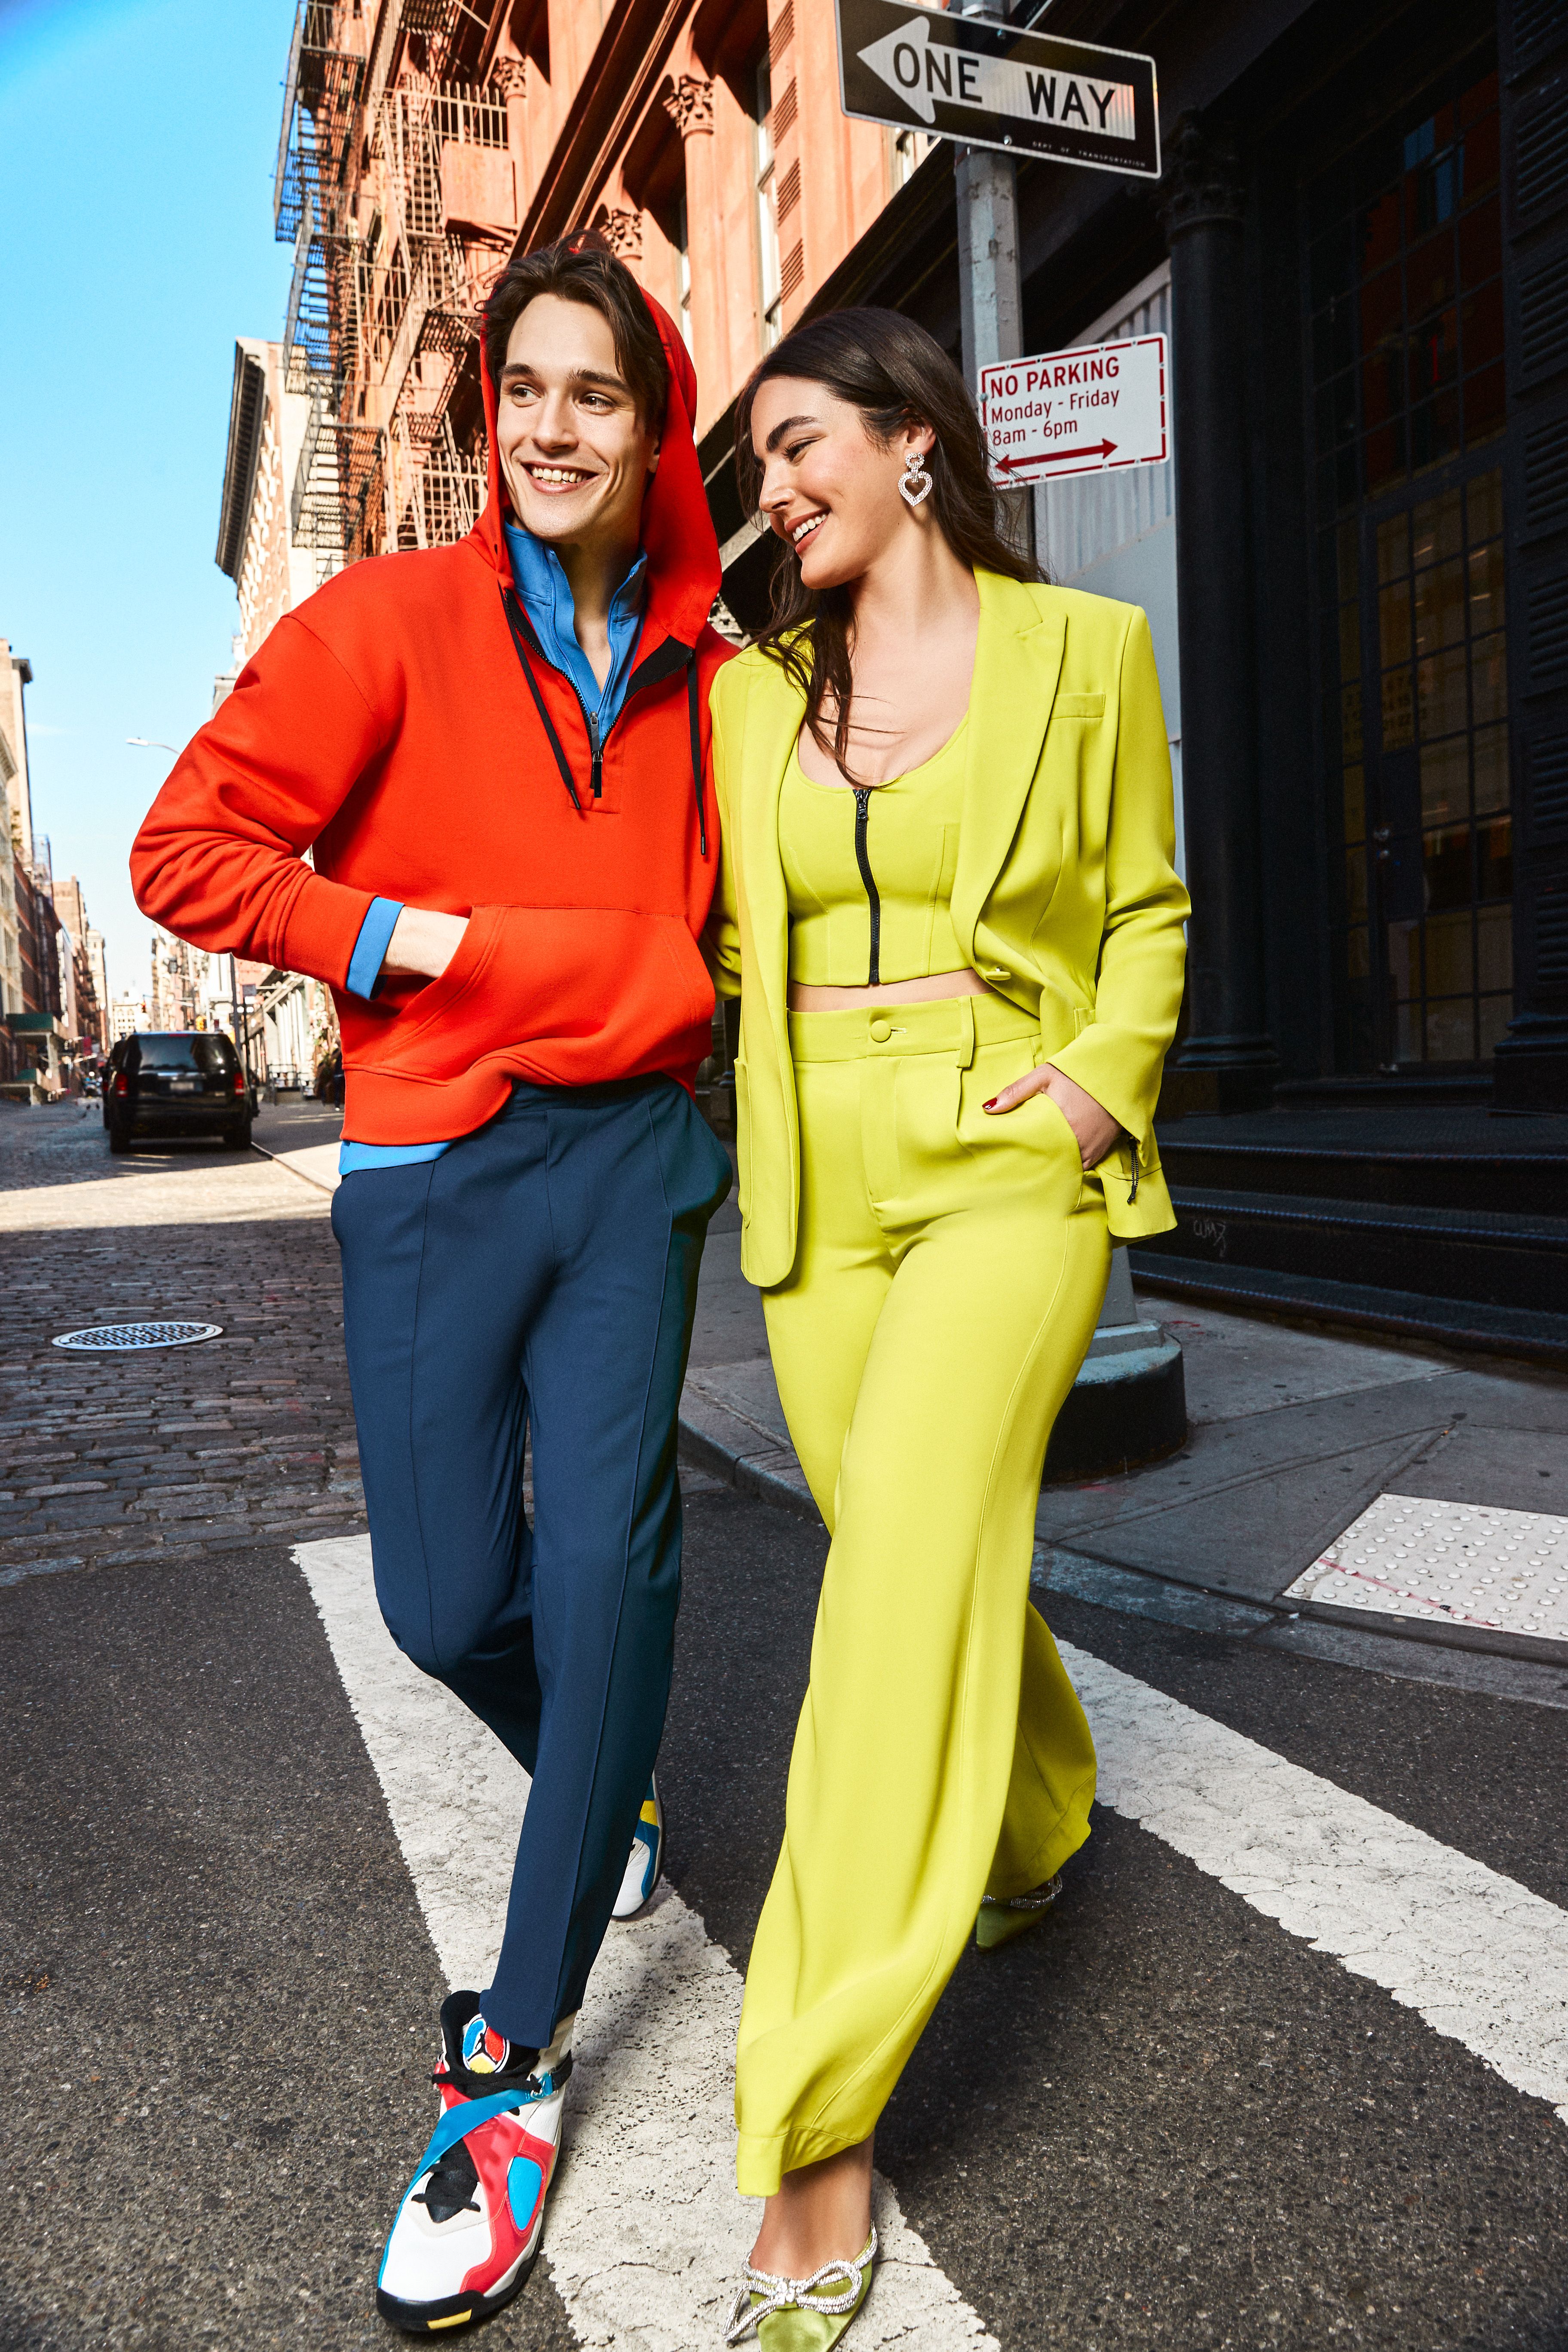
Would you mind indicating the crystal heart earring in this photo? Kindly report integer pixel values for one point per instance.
(914, 483)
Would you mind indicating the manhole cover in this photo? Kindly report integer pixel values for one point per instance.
(112, 1338)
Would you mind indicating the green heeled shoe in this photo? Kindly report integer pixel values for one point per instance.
(1003, 1918)
(802, 2314)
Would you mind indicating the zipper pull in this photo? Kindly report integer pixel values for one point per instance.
(596, 771)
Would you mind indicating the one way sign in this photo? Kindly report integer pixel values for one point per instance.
(991, 85)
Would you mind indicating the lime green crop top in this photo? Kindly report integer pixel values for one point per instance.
(869, 871)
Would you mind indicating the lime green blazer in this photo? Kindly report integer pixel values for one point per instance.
(1065, 897)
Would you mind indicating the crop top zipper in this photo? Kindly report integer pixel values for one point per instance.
(863, 860)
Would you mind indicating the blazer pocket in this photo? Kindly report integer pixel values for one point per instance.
(1079, 706)
(1055, 1113)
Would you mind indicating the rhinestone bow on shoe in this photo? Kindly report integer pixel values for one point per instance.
(778, 2294)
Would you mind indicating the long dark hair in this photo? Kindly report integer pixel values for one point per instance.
(895, 374)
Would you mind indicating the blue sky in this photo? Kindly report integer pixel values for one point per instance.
(137, 140)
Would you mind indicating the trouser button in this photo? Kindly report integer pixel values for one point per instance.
(881, 1032)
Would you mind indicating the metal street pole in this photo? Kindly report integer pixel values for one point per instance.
(990, 284)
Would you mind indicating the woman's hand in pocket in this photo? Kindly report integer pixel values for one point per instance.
(1094, 1129)
(423, 942)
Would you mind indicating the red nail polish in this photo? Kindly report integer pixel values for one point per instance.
(992, 1104)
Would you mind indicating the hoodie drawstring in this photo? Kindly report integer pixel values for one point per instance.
(692, 709)
(521, 643)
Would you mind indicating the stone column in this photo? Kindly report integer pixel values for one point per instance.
(1203, 202)
(621, 228)
(689, 102)
(510, 75)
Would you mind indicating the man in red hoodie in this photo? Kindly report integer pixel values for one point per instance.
(497, 755)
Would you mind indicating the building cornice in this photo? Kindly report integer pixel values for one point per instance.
(247, 417)
(632, 57)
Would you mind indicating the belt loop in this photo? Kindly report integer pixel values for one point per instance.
(965, 1053)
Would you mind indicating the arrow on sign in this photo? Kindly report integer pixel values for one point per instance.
(1056, 457)
(920, 71)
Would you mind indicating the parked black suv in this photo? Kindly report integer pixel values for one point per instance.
(177, 1082)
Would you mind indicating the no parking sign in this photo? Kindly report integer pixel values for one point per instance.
(1080, 412)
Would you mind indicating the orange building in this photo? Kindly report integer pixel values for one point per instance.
(426, 141)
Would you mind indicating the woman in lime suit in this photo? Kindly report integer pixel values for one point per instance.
(950, 905)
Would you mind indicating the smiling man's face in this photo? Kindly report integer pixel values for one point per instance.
(574, 455)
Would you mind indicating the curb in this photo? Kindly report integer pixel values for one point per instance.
(281, 1160)
(747, 1477)
(745, 1455)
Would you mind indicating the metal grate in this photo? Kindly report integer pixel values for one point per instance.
(1541, 171)
(1454, 1563)
(1546, 479)
(1548, 632)
(1549, 785)
(1551, 938)
(112, 1339)
(1537, 25)
(1544, 319)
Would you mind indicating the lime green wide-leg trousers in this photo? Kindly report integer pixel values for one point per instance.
(951, 1268)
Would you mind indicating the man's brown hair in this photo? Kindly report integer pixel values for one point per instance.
(581, 269)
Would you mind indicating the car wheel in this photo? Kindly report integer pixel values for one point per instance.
(118, 1140)
(239, 1137)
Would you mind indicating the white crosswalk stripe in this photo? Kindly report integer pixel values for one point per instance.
(645, 2234)
(1479, 1955)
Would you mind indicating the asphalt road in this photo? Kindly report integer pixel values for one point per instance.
(1161, 2120)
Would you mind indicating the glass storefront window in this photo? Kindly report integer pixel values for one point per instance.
(1404, 268)
(1491, 758)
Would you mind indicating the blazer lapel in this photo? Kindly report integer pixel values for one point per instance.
(774, 713)
(1017, 662)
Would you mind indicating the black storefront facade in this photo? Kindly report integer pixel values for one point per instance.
(1360, 247)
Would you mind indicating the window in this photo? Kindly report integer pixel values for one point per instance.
(1115, 534)
(910, 150)
(210, 1051)
(1404, 266)
(769, 283)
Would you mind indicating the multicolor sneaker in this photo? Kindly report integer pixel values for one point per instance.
(469, 2228)
(646, 1859)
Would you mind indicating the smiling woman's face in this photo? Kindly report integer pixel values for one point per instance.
(828, 490)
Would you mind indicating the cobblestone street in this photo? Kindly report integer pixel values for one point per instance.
(174, 1453)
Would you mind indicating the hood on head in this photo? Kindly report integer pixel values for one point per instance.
(677, 534)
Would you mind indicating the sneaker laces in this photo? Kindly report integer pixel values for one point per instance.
(451, 2186)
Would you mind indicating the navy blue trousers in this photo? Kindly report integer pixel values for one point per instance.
(540, 1277)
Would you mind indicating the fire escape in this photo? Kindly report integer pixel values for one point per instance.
(395, 186)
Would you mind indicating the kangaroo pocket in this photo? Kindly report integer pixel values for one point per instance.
(553, 982)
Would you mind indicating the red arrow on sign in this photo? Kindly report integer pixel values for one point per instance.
(1057, 457)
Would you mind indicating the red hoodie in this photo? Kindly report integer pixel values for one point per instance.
(388, 727)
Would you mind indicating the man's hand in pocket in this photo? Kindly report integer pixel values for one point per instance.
(426, 943)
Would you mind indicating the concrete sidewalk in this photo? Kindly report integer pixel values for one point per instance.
(1294, 1432)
